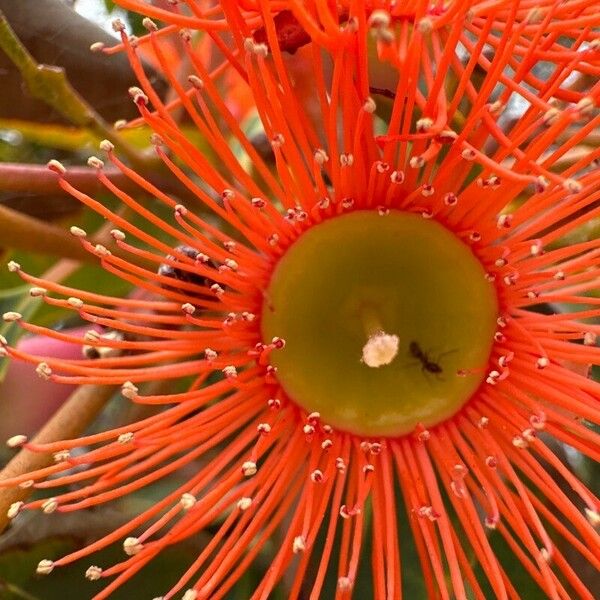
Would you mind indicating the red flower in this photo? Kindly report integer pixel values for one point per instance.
(445, 145)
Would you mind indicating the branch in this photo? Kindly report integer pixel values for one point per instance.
(38, 179)
(32, 235)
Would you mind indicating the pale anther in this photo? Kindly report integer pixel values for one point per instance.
(424, 124)
(16, 441)
(43, 370)
(316, 476)
(585, 105)
(101, 250)
(230, 371)
(180, 210)
(344, 584)
(425, 25)
(14, 509)
(397, 177)
(49, 506)
(369, 106)
(308, 429)
(346, 160)
(542, 362)
(320, 156)
(95, 162)
(244, 503)
(128, 390)
(536, 248)
(447, 136)
(149, 24)
(541, 184)
(546, 554)
(184, 34)
(571, 185)
(277, 140)
(196, 81)
(56, 166)
(106, 146)
(35, 292)
(93, 573)
(299, 544)
(187, 501)
(210, 354)
(75, 302)
(132, 546)
(44, 567)
(519, 442)
(538, 421)
(188, 309)
(249, 468)
(125, 438)
(593, 516)
(416, 162)
(375, 448)
(12, 316)
(61, 456)
(274, 403)
(78, 232)
(117, 25)
(380, 18)
(138, 95)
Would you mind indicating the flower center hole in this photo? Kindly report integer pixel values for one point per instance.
(382, 317)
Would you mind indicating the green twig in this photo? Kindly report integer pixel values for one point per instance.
(49, 84)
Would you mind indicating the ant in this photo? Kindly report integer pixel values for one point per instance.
(427, 365)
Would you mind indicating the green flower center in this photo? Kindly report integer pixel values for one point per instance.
(388, 322)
